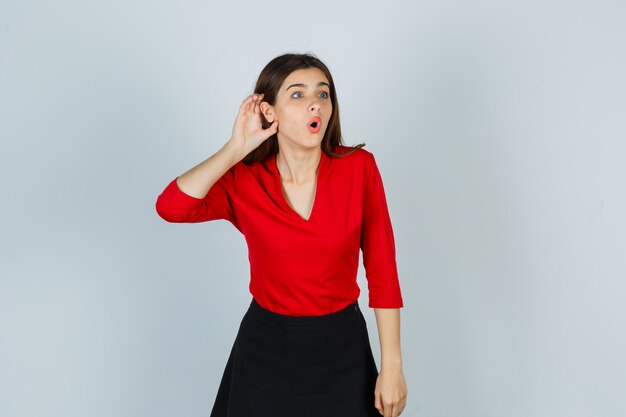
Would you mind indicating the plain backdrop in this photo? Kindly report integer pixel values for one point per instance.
(499, 129)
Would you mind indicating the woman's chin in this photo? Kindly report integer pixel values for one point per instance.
(309, 141)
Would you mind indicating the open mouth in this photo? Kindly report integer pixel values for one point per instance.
(315, 124)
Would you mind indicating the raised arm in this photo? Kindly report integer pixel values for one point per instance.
(198, 180)
(201, 193)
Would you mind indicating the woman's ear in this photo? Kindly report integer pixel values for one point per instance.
(268, 111)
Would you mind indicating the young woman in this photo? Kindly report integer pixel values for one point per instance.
(306, 205)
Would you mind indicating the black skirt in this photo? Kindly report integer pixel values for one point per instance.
(299, 366)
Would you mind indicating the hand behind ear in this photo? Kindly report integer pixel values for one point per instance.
(248, 132)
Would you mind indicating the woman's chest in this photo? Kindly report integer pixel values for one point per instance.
(266, 215)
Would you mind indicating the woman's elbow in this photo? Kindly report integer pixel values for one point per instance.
(166, 213)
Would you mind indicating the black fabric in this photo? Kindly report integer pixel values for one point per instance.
(299, 366)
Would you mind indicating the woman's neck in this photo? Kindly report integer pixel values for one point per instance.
(298, 167)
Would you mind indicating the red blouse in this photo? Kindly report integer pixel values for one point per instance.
(304, 267)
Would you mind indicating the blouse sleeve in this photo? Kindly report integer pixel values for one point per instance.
(377, 243)
(175, 206)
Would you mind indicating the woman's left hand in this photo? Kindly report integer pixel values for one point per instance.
(390, 392)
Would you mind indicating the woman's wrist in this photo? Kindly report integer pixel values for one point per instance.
(391, 363)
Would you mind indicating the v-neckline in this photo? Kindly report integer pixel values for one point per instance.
(283, 198)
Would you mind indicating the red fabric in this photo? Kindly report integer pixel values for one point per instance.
(300, 267)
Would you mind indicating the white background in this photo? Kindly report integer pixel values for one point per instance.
(499, 128)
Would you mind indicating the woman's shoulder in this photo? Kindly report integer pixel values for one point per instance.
(358, 164)
(359, 156)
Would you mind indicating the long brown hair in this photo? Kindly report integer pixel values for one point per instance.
(269, 82)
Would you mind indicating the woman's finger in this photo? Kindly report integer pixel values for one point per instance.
(245, 101)
(251, 104)
(245, 105)
(378, 403)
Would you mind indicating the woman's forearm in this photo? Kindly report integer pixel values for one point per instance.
(197, 181)
(388, 321)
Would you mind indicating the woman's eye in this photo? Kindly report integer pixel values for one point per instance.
(325, 94)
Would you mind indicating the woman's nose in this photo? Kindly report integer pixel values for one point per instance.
(315, 106)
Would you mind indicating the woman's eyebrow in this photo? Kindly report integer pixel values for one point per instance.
(305, 85)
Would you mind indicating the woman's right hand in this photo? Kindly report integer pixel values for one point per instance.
(248, 133)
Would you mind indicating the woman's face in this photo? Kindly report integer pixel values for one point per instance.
(304, 94)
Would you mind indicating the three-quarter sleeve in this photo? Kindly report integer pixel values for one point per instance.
(174, 205)
(378, 244)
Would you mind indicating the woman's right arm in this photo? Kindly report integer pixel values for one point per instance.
(200, 194)
(198, 180)
(247, 135)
